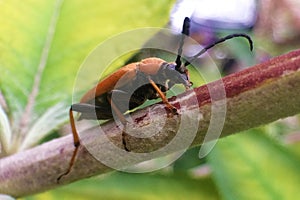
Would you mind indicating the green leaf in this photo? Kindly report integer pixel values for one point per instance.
(295, 147)
(252, 166)
(136, 186)
(43, 44)
(188, 161)
(45, 124)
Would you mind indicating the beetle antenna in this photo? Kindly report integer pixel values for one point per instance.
(185, 32)
(228, 37)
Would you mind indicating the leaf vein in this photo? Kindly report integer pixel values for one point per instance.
(24, 122)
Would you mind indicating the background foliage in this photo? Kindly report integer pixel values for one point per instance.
(43, 44)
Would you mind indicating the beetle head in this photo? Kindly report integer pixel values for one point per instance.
(171, 73)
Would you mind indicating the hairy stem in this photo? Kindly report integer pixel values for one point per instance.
(255, 96)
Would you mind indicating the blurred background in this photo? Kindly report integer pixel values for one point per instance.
(262, 163)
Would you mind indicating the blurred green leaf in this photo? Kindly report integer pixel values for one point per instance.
(295, 147)
(43, 44)
(136, 186)
(188, 160)
(252, 166)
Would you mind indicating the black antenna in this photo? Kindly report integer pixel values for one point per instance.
(185, 32)
(220, 41)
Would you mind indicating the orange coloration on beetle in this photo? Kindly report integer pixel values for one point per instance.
(150, 65)
(128, 72)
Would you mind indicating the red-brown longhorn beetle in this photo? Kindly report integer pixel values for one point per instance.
(159, 75)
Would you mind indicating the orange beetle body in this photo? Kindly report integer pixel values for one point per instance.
(129, 87)
(149, 66)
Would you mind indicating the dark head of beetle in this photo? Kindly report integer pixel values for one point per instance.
(172, 74)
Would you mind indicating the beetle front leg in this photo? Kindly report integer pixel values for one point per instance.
(163, 97)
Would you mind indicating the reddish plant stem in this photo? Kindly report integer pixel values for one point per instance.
(255, 96)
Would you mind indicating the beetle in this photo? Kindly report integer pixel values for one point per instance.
(156, 76)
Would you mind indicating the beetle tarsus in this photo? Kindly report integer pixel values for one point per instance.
(76, 145)
(171, 111)
(124, 142)
(174, 111)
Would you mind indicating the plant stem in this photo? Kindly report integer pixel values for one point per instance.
(255, 96)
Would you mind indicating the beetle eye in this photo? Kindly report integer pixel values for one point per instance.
(172, 66)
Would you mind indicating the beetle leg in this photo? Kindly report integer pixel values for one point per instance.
(121, 118)
(76, 144)
(163, 97)
(117, 111)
